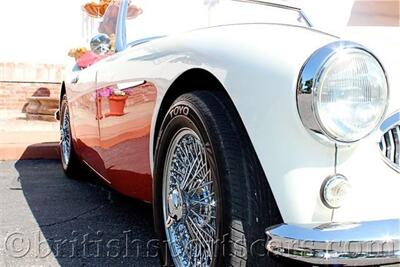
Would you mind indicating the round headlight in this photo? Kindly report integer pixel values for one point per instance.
(343, 92)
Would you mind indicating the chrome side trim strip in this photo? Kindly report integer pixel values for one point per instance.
(129, 85)
(354, 244)
(97, 173)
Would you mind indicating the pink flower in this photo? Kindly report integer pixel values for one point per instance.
(105, 92)
(89, 58)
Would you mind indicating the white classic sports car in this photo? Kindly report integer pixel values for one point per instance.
(258, 144)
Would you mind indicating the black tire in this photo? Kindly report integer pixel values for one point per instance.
(246, 204)
(71, 165)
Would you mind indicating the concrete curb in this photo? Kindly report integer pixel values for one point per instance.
(48, 150)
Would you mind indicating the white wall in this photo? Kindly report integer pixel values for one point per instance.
(38, 31)
(43, 31)
(164, 17)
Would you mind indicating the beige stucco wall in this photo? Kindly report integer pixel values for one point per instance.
(375, 13)
(30, 72)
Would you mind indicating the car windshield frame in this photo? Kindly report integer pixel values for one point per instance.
(280, 4)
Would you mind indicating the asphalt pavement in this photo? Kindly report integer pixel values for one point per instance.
(47, 219)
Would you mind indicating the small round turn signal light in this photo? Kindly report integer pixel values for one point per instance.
(334, 191)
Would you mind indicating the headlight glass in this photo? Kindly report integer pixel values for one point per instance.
(351, 95)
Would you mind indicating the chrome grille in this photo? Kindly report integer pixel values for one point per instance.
(390, 141)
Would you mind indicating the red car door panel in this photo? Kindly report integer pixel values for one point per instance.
(125, 136)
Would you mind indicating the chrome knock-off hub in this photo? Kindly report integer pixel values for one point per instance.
(175, 205)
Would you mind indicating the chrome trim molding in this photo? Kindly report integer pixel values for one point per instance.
(306, 87)
(389, 143)
(96, 172)
(352, 244)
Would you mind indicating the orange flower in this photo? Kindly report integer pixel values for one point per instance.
(96, 10)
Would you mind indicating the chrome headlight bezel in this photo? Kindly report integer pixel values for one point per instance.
(307, 91)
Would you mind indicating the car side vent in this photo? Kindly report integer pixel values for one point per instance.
(390, 141)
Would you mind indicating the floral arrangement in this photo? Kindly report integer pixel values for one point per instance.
(109, 10)
(77, 52)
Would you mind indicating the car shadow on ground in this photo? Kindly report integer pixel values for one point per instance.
(81, 221)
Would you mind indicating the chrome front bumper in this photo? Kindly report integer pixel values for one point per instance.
(353, 244)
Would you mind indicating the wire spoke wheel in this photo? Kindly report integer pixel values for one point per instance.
(189, 200)
(65, 137)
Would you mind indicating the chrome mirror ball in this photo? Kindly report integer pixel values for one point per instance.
(100, 44)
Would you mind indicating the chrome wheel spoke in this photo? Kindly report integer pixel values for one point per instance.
(189, 201)
(196, 202)
(192, 191)
(203, 219)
